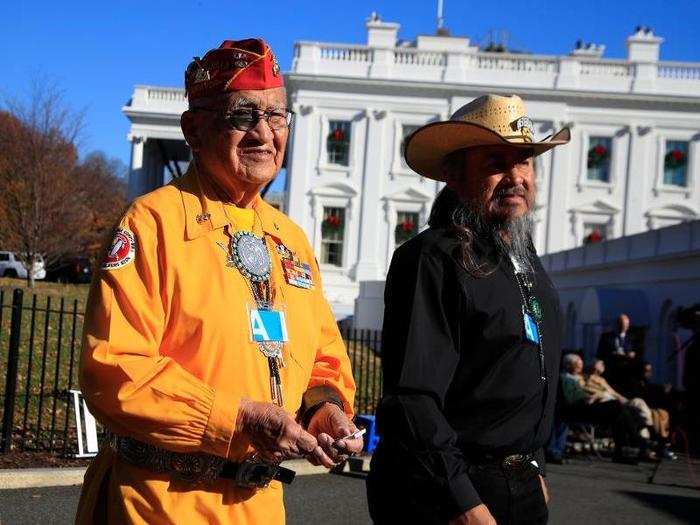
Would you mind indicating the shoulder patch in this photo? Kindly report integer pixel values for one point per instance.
(122, 250)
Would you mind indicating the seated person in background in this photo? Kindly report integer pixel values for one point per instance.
(656, 395)
(658, 399)
(599, 388)
(581, 405)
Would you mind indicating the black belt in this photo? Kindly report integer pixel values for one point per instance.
(257, 473)
(198, 468)
(512, 462)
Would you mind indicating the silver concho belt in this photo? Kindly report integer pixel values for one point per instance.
(197, 468)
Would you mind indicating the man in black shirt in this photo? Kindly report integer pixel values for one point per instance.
(471, 341)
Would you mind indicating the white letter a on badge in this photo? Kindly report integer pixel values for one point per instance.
(257, 327)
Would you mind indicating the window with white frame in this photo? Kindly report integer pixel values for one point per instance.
(406, 131)
(332, 235)
(406, 226)
(338, 142)
(598, 161)
(676, 163)
(594, 232)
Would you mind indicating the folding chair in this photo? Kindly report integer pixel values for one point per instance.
(587, 430)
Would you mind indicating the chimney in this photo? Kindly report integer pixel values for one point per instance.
(643, 45)
(381, 34)
(588, 50)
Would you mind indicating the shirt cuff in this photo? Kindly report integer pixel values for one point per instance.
(462, 495)
(312, 400)
(220, 432)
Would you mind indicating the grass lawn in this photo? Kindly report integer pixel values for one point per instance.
(69, 291)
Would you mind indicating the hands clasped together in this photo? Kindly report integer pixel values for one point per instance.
(276, 436)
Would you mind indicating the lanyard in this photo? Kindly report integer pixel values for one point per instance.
(531, 306)
(250, 254)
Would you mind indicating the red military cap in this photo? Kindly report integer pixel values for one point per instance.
(235, 65)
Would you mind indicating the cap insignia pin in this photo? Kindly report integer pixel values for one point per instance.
(524, 126)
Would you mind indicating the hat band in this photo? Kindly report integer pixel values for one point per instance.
(525, 138)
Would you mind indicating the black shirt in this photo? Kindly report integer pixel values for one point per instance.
(461, 381)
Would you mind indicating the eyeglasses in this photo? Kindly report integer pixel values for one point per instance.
(245, 119)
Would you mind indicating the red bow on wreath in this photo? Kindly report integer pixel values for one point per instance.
(337, 135)
(407, 226)
(333, 220)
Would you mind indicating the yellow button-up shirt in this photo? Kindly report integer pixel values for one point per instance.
(167, 355)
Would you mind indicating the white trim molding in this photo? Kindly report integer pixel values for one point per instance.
(598, 212)
(693, 163)
(670, 215)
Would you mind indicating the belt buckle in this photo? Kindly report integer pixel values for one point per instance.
(512, 462)
(255, 474)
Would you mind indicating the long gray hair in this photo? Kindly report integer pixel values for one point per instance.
(468, 222)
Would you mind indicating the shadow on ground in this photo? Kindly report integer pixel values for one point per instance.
(684, 508)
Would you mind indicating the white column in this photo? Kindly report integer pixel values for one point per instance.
(136, 170)
(300, 169)
(638, 180)
(560, 178)
(374, 174)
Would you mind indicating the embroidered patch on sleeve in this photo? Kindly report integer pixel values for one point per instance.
(122, 250)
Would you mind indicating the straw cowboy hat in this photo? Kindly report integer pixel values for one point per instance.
(489, 120)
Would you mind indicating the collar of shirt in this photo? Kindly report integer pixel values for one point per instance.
(204, 210)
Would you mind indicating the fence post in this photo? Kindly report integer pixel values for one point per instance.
(11, 378)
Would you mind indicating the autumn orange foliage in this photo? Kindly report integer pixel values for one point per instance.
(50, 203)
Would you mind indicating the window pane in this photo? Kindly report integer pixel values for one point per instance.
(406, 130)
(598, 163)
(676, 163)
(338, 142)
(406, 226)
(4, 256)
(332, 236)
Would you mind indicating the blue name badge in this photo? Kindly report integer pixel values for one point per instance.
(531, 332)
(268, 325)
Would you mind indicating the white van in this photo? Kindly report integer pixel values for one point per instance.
(11, 266)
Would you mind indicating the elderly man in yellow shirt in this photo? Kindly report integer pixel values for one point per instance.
(209, 352)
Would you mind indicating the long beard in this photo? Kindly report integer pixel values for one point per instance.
(510, 237)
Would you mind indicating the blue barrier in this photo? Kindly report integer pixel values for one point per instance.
(371, 437)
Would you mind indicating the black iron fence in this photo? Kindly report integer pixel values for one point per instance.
(39, 348)
(364, 348)
(39, 352)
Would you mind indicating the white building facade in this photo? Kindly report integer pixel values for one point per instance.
(633, 163)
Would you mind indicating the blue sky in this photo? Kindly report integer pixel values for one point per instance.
(97, 51)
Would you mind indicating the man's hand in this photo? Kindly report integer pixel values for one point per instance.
(479, 515)
(545, 490)
(275, 435)
(329, 424)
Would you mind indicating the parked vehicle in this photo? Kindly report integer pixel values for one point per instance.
(12, 266)
(74, 270)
